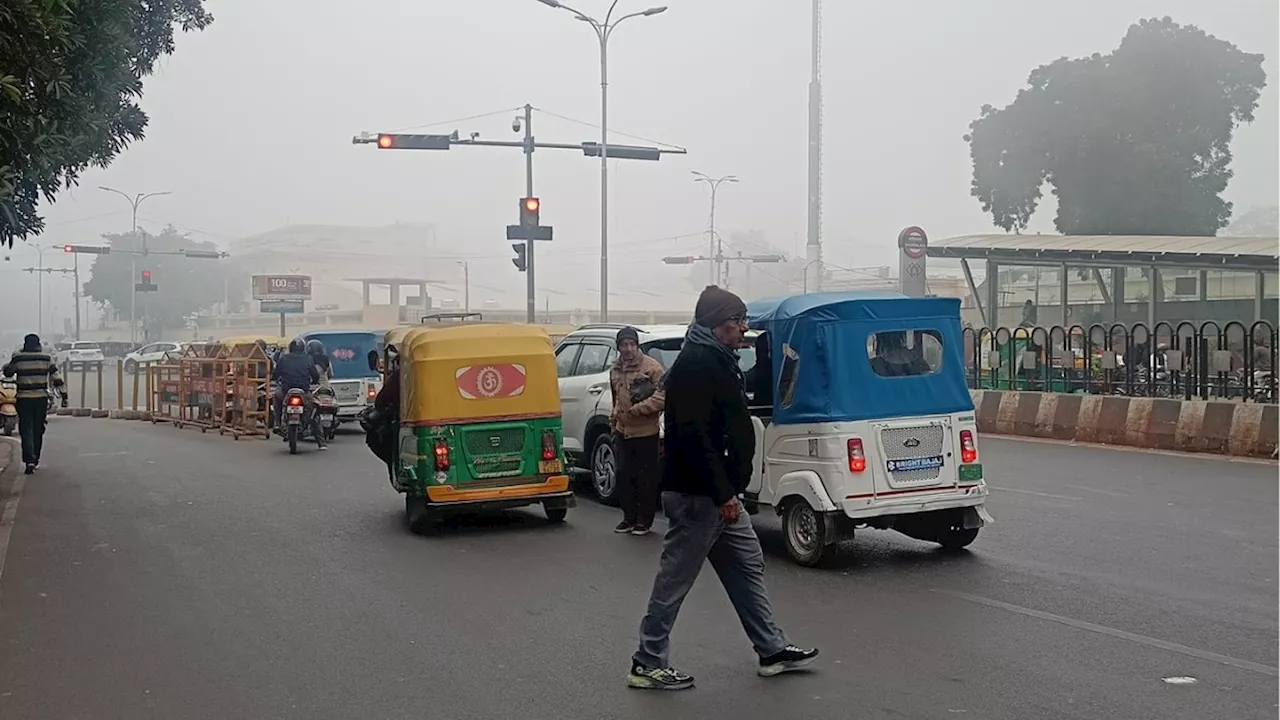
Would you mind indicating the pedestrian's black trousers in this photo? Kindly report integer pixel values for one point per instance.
(33, 414)
(637, 474)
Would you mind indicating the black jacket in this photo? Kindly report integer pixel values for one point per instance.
(710, 444)
(295, 370)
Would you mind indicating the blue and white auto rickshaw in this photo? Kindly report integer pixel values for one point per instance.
(871, 422)
(354, 384)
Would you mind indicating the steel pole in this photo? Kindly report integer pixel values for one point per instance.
(133, 279)
(40, 291)
(604, 173)
(530, 299)
(76, 294)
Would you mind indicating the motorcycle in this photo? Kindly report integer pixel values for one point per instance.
(326, 411)
(9, 406)
(1263, 387)
(297, 416)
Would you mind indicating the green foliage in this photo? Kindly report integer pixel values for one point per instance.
(185, 285)
(1258, 222)
(1135, 142)
(70, 76)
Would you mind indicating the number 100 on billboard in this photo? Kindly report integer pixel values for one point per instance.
(281, 287)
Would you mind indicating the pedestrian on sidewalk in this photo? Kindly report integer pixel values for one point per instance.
(35, 371)
(635, 380)
(710, 446)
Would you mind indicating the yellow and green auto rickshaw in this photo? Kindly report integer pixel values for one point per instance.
(479, 422)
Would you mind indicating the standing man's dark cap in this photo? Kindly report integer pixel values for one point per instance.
(716, 305)
(627, 333)
(31, 342)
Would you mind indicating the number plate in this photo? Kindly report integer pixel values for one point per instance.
(924, 463)
(970, 472)
(546, 467)
(294, 410)
(326, 421)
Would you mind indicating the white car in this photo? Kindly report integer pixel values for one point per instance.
(147, 354)
(583, 359)
(79, 354)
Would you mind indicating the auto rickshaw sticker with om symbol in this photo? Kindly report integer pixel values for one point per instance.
(482, 382)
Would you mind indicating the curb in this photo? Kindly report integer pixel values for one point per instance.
(1217, 427)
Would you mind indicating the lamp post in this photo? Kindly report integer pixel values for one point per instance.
(805, 271)
(715, 250)
(604, 29)
(466, 285)
(134, 202)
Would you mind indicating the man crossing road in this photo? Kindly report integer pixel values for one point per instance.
(35, 371)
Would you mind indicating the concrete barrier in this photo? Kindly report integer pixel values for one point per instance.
(1221, 427)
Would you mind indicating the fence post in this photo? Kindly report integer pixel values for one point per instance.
(119, 384)
(99, 403)
(84, 376)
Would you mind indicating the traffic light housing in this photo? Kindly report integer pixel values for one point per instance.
(68, 248)
(521, 260)
(146, 276)
(529, 208)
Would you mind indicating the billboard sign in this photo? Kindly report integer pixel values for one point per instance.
(291, 307)
(281, 287)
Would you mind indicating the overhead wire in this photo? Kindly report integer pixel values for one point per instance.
(616, 132)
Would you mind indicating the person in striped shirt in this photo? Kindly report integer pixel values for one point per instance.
(35, 372)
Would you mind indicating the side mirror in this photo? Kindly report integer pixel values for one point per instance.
(373, 360)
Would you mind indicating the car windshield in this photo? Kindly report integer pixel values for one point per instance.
(665, 352)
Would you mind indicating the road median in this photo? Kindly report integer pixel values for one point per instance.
(1205, 426)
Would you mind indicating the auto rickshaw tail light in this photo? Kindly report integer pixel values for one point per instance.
(548, 445)
(857, 458)
(968, 449)
(442, 454)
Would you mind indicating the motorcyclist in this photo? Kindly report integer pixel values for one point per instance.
(296, 369)
(320, 358)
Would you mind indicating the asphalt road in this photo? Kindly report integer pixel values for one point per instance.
(162, 573)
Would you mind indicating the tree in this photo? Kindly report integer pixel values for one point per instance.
(1135, 142)
(185, 285)
(70, 77)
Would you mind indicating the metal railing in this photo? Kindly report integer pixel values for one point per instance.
(1228, 361)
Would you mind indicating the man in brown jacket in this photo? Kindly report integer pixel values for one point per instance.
(635, 380)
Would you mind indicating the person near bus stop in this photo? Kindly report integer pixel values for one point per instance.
(635, 380)
(295, 370)
(35, 372)
(710, 450)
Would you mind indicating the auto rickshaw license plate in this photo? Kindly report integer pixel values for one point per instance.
(546, 467)
(924, 463)
(971, 471)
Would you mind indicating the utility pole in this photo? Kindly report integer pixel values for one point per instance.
(529, 230)
(134, 202)
(466, 285)
(42, 271)
(715, 247)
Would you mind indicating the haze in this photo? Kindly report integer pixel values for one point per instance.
(251, 124)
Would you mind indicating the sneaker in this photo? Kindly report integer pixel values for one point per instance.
(644, 678)
(640, 530)
(623, 527)
(787, 660)
(31, 467)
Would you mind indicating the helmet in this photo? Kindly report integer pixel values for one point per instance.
(296, 345)
(315, 347)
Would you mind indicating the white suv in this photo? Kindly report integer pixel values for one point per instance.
(583, 359)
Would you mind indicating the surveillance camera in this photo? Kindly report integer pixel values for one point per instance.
(515, 124)
(475, 135)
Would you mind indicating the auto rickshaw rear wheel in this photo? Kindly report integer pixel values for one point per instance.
(416, 514)
(555, 514)
(804, 533)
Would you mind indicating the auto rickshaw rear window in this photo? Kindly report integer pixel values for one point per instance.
(905, 353)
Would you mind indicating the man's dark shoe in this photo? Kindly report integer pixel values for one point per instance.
(623, 527)
(31, 467)
(791, 658)
(640, 530)
(644, 678)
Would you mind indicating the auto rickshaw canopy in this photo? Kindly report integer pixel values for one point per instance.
(477, 373)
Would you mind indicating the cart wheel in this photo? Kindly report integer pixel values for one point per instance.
(803, 531)
(953, 539)
(555, 514)
(416, 515)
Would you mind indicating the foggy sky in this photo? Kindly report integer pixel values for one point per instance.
(251, 122)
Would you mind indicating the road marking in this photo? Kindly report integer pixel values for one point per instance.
(1111, 493)
(104, 454)
(1112, 632)
(1032, 492)
(10, 510)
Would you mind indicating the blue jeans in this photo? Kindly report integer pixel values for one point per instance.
(697, 533)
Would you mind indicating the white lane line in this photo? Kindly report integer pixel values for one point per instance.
(1111, 493)
(1112, 632)
(1032, 492)
(10, 510)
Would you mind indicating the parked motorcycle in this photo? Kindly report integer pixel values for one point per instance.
(8, 406)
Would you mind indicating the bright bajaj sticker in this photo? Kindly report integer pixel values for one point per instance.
(909, 464)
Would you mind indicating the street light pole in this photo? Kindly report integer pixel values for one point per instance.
(715, 250)
(604, 29)
(466, 285)
(134, 201)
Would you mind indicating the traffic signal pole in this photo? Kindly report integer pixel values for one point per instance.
(530, 300)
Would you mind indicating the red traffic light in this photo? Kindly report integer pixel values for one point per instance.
(68, 248)
(385, 141)
(531, 204)
(146, 276)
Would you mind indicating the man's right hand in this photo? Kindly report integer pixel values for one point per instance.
(730, 511)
